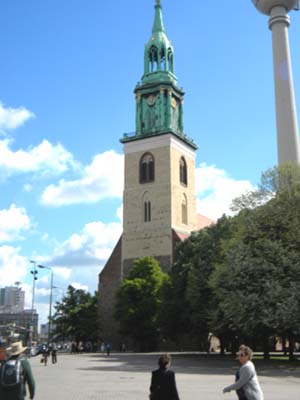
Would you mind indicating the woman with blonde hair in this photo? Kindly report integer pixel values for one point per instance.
(246, 385)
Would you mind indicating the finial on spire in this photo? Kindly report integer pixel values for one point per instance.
(158, 25)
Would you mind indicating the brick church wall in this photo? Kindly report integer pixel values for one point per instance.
(109, 281)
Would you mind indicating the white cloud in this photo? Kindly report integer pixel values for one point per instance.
(43, 311)
(43, 279)
(45, 159)
(12, 118)
(13, 267)
(12, 222)
(215, 191)
(103, 178)
(92, 246)
(78, 285)
(64, 273)
(42, 292)
(120, 213)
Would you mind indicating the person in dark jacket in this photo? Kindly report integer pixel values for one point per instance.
(163, 384)
(15, 353)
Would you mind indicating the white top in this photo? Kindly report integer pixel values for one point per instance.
(249, 382)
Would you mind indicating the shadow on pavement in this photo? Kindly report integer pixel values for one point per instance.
(184, 363)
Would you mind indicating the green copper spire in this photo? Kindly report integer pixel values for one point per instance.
(158, 25)
(159, 101)
(159, 53)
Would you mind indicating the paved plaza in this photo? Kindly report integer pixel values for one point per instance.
(126, 376)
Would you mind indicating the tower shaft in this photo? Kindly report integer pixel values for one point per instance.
(286, 116)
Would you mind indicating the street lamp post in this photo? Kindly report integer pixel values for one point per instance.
(50, 302)
(34, 278)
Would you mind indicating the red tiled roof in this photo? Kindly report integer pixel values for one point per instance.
(203, 222)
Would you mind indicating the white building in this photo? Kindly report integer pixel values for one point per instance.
(12, 299)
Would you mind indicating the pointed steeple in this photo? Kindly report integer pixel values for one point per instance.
(159, 101)
(158, 25)
(159, 53)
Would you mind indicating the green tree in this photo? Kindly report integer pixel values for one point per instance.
(76, 316)
(188, 300)
(138, 303)
(257, 284)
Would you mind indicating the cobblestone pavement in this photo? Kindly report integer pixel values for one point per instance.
(125, 376)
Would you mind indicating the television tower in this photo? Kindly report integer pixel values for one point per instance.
(286, 116)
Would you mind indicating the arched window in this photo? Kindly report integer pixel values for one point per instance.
(146, 207)
(147, 168)
(147, 211)
(153, 58)
(170, 60)
(184, 214)
(183, 171)
(163, 59)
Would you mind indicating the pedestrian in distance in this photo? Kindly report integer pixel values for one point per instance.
(246, 384)
(163, 383)
(108, 349)
(54, 355)
(45, 355)
(16, 375)
(102, 348)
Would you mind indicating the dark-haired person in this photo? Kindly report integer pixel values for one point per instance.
(163, 384)
(246, 385)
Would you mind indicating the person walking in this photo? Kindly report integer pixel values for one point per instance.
(163, 384)
(102, 348)
(108, 349)
(45, 355)
(54, 354)
(246, 384)
(16, 375)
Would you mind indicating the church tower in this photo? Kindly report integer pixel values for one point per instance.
(159, 202)
(159, 193)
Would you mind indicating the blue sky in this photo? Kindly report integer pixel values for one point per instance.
(67, 74)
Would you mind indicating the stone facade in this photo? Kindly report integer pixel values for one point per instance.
(179, 191)
(165, 194)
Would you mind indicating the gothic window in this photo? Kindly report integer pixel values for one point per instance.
(183, 171)
(170, 60)
(147, 168)
(153, 58)
(162, 59)
(147, 211)
(184, 216)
